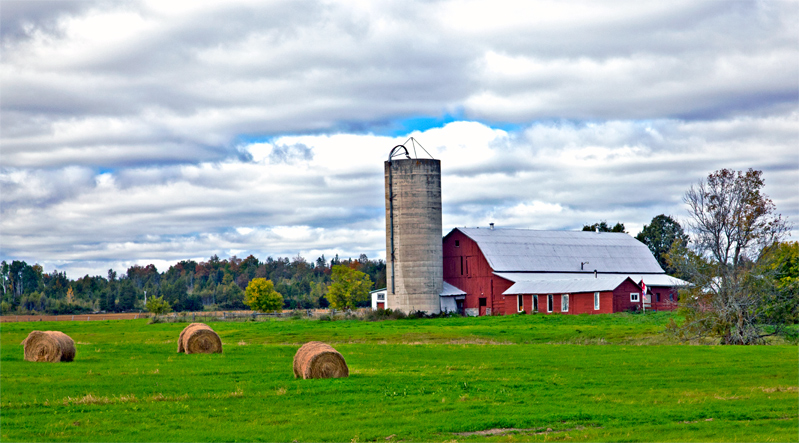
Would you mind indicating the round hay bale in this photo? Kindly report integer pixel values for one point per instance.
(319, 360)
(199, 338)
(50, 346)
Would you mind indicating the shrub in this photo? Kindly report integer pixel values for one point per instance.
(261, 296)
(158, 306)
(395, 315)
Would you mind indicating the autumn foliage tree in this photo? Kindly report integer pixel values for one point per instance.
(349, 287)
(261, 296)
(733, 224)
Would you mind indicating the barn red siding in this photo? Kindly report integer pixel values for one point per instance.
(511, 305)
(666, 302)
(466, 268)
(621, 297)
(579, 303)
(583, 303)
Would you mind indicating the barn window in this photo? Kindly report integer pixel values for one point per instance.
(549, 303)
(461, 265)
(671, 297)
(658, 297)
(634, 297)
(521, 303)
(564, 303)
(596, 301)
(457, 243)
(535, 303)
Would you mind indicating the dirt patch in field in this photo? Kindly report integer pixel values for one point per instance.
(536, 431)
(780, 389)
(732, 397)
(495, 431)
(474, 341)
(92, 399)
(695, 421)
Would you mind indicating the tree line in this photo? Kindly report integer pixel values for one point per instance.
(186, 285)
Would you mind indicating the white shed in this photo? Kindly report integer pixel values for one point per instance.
(379, 299)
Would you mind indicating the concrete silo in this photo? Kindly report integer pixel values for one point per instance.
(414, 263)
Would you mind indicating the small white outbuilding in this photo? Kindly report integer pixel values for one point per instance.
(379, 299)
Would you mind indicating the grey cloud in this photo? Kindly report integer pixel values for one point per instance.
(25, 189)
(290, 154)
(289, 67)
(325, 67)
(21, 18)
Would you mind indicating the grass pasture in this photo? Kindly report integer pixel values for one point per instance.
(528, 378)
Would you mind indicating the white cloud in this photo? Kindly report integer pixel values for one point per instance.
(545, 176)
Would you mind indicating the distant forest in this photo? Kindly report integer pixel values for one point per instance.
(187, 286)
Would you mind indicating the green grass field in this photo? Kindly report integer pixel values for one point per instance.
(531, 378)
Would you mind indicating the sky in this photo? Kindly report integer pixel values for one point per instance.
(138, 132)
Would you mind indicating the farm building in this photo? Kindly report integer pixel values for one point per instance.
(506, 271)
(378, 299)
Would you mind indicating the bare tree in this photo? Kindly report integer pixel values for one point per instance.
(732, 223)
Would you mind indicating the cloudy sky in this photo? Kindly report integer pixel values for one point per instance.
(157, 131)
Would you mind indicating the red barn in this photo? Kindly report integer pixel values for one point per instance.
(506, 271)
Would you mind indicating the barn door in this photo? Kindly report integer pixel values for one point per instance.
(483, 305)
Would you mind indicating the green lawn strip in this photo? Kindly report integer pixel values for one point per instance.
(611, 328)
(127, 391)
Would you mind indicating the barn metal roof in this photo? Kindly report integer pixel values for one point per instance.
(450, 290)
(523, 250)
(566, 286)
(649, 279)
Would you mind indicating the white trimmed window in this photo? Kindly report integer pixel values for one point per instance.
(596, 301)
(564, 303)
(535, 303)
(549, 303)
(520, 303)
(634, 297)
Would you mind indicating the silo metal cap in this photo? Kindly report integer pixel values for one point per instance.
(397, 151)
